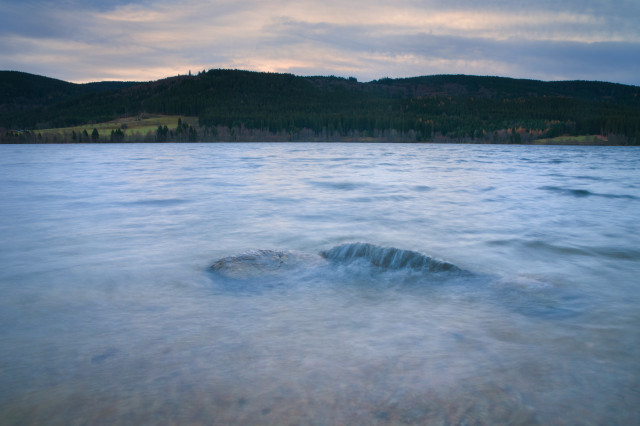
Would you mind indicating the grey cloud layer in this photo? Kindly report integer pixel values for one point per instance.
(90, 40)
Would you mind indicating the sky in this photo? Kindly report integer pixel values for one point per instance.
(97, 40)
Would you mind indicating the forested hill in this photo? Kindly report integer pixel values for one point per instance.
(20, 91)
(252, 105)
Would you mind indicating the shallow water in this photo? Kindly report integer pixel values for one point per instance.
(111, 314)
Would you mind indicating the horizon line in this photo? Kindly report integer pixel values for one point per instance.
(190, 74)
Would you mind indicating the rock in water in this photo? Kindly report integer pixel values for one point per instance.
(389, 258)
(257, 263)
(263, 263)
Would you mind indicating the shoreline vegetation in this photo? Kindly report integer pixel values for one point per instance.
(177, 129)
(243, 106)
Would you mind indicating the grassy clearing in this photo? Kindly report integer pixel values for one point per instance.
(574, 140)
(141, 125)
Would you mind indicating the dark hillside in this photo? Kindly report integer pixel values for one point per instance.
(440, 107)
(503, 87)
(21, 91)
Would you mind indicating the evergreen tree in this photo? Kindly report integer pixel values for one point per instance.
(162, 133)
(117, 135)
(193, 134)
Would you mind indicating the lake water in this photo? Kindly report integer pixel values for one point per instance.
(354, 284)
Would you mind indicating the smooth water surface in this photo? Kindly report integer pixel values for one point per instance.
(330, 303)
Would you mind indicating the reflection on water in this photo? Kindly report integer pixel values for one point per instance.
(356, 284)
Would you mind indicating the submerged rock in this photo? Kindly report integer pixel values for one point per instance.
(260, 263)
(257, 263)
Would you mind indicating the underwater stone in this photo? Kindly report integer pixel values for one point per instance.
(256, 263)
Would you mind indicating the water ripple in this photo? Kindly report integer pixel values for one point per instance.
(580, 193)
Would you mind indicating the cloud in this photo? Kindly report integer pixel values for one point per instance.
(91, 40)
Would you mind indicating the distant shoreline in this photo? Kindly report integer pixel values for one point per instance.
(560, 142)
(149, 128)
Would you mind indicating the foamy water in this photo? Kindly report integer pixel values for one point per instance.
(319, 284)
